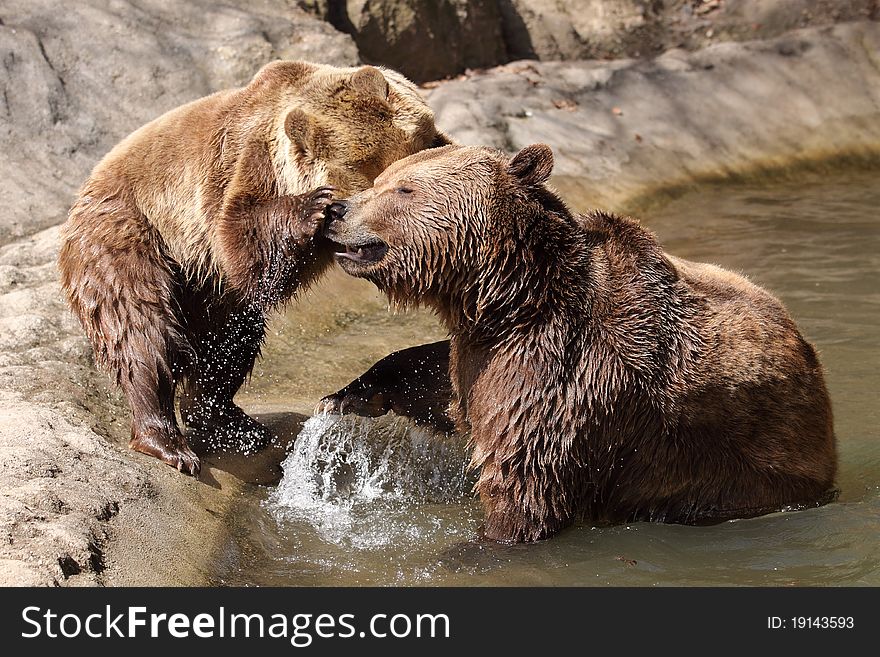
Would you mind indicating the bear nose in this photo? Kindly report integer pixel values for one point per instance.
(337, 210)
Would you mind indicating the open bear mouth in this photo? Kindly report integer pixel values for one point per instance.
(367, 254)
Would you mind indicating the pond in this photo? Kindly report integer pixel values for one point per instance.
(379, 503)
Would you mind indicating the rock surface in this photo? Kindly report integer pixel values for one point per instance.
(594, 29)
(432, 40)
(621, 128)
(427, 40)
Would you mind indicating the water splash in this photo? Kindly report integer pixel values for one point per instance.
(368, 483)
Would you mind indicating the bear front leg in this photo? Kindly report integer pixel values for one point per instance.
(523, 502)
(144, 368)
(152, 433)
(271, 247)
(226, 356)
(413, 382)
(509, 519)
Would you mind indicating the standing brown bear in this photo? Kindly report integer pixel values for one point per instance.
(195, 226)
(597, 375)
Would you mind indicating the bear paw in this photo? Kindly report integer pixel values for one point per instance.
(168, 448)
(313, 212)
(366, 403)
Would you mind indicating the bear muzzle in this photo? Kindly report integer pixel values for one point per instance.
(336, 210)
(354, 245)
(366, 253)
(333, 216)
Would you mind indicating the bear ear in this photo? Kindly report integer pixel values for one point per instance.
(440, 140)
(532, 165)
(300, 130)
(370, 81)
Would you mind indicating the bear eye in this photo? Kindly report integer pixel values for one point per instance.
(404, 190)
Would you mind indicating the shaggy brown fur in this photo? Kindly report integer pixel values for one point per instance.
(194, 227)
(597, 375)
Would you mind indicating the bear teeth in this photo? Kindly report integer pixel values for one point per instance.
(363, 253)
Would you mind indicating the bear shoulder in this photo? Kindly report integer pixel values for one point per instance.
(625, 241)
(281, 73)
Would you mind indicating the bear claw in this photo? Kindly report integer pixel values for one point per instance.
(320, 199)
(331, 404)
(347, 403)
(316, 204)
(188, 463)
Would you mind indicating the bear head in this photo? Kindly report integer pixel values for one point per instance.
(461, 229)
(344, 126)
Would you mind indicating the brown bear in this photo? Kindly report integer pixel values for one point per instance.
(598, 376)
(196, 225)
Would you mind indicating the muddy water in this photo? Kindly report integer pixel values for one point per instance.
(365, 502)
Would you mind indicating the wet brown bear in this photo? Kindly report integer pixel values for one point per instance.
(195, 226)
(597, 375)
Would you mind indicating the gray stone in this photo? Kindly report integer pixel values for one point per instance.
(425, 40)
(622, 127)
(433, 40)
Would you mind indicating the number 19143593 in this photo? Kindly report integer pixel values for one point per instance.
(811, 623)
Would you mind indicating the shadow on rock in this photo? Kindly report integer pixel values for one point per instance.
(262, 467)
